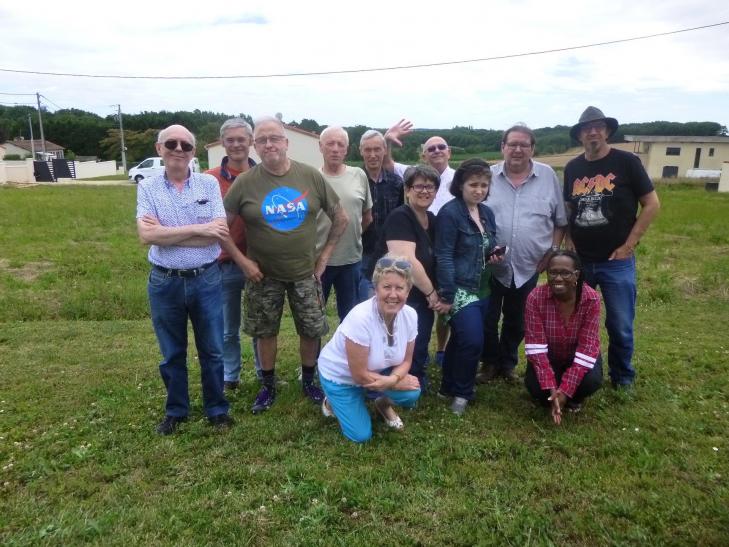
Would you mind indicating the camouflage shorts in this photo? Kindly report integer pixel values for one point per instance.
(263, 305)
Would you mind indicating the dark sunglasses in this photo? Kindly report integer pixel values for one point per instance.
(172, 145)
(385, 262)
(433, 147)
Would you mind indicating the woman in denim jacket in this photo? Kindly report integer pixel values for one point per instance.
(464, 246)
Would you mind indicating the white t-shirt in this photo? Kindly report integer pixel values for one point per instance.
(443, 195)
(363, 326)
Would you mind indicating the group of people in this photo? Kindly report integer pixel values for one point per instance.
(405, 248)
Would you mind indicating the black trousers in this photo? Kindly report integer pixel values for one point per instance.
(591, 382)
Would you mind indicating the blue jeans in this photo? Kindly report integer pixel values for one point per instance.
(422, 341)
(345, 280)
(617, 282)
(502, 351)
(464, 350)
(233, 283)
(172, 300)
(366, 289)
(348, 404)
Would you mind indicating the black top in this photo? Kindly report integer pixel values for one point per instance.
(402, 225)
(604, 196)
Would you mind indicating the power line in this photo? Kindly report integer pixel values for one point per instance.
(18, 104)
(28, 94)
(50, 101)
(376, 69)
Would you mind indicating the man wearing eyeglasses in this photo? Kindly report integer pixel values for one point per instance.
(350, 183)
(180, 215)
(236, 135)
(526, 199)
(279, 200)
(602, 190)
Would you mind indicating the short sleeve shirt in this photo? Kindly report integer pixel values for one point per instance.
(280, 216)
(364, 327)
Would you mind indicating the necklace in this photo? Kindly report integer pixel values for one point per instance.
(390, 335)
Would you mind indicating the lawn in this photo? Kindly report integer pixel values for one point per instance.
(80, 395)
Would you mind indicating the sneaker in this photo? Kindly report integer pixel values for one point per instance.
(389, 416)
(313, 392)
(458, 406)
(265, 398)
(487, 374)
(169, 425)
(231, 385)
(326, 409)
(221, 421)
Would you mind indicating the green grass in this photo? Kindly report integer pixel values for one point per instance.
(80, 395)
(107, 177)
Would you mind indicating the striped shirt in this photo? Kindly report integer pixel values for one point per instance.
(553, 345)
(199, 202)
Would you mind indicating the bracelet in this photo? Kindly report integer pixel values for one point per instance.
(431, 292)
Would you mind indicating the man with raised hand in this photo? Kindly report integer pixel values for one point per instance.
(236, 135)
(350, 183)
(279, 200)
(526, 199)
(180, 215)
(602, 190)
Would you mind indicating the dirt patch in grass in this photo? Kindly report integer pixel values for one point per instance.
(27, 272)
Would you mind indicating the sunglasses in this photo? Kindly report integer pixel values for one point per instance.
(385, 262)
(433, 147)
(173, 143)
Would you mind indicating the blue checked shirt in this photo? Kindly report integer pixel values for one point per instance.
(198, 203)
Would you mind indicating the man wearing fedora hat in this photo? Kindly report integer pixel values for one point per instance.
(602, 190)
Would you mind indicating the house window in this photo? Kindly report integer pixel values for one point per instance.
(711, 152)
(670, 171)
(673, 151)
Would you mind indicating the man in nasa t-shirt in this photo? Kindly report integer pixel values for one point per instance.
(279, 200)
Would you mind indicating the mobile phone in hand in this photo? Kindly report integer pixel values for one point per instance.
(496, 251)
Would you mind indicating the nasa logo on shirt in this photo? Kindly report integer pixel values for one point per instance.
(285, 208)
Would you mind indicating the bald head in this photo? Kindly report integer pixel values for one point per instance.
(436, 153)
(175, 129)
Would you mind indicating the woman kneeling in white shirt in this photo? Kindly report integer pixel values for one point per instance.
(372, 350)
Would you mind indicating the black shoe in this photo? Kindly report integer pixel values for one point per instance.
(221, 421)
(510, 376)
(487, 374)
(231, 385)
(169, 425)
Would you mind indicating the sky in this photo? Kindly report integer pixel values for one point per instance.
(682, 77)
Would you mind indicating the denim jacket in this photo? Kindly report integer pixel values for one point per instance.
(459, 251)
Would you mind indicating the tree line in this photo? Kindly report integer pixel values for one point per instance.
(84, 133)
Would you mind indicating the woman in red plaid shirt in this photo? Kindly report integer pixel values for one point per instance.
(562, 339)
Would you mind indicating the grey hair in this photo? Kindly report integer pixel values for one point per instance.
(161, 136)
(380, 271)
(370, 134)
(235, 123)
(268, 119)
(333, 129)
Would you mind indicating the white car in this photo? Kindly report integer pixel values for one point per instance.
(155, 166)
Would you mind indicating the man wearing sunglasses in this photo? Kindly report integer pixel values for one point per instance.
(236, 135)
(526, 199)
(279, 200)
(180, 215)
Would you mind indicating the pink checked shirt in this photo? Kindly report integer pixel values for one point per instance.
(551, 344)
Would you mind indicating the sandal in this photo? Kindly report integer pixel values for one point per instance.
(383, 404)
(326, 409)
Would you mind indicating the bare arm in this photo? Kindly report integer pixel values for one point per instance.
(151, 232)
(366, 219)
(649, 207)
(249, 267)
(567, 235)
(339, 220)
(394, 135)
(357, 357)
(420, 277)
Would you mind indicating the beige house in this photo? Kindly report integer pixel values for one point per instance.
(665, 157)
(303, 147)
(24, 149)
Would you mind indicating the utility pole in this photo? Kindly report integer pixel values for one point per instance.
(121, 135)
(40, 122)
(32, 143)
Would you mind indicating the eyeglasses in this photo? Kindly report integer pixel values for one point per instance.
(564, 274)
(172, 144)
(239, 140)
(433, 147)
(273, 139)
(599, 126)
(386, 262)
(422, 188)
(515, 145)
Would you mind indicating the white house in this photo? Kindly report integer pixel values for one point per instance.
(23, 148)
(303, 147)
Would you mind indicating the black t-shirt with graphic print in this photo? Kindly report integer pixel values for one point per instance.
(604, 197)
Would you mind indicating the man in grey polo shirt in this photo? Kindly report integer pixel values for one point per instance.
(526, 199)
(180, 215)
